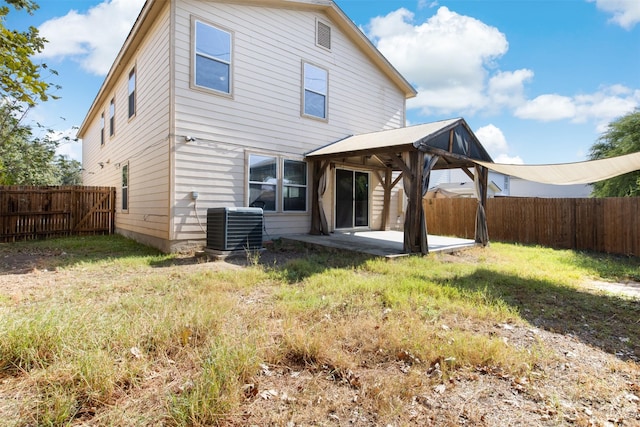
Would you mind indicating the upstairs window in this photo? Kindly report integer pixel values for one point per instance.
(102, 129)
(112, 117)
(212, 60)
(315, 91)
(132, 93)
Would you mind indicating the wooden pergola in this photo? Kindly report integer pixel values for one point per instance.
(406, 155)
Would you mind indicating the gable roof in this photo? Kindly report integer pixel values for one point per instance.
(152, 8)
(451, 136)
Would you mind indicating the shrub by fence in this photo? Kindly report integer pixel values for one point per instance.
(609, 225)
(28, 212)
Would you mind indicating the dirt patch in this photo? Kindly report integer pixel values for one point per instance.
(629, 288)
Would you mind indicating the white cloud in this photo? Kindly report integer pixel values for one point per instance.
(506, 88)
(494, 141)
(93, 39)
(446, 100)
(600, 107)
(546, 108)
(508, 160)
(452, 61)
(626, 13)
(606, 105)
(448, 57)
(422, 4)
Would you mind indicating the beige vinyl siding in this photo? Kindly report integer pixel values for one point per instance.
(141, 141)
(91, 150)
(263, 114)
(376, 202)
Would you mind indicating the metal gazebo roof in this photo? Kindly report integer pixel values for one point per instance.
(414, 151)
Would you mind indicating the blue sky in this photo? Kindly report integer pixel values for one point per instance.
(537, 80)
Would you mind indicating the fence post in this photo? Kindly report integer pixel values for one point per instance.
(73, 207)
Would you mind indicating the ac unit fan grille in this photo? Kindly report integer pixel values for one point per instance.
(231, 229)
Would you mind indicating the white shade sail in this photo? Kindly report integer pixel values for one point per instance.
(453, 137)
(570, 173)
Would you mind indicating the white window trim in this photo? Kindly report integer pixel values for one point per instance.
(128, 187)
(304, 89)
(112, 118)
(102, 130)
(192, 77)
(134, 72)
(279, 184)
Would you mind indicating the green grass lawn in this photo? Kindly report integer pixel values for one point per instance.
(102, 329)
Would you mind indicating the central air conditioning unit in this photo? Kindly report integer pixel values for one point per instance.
(233, 229)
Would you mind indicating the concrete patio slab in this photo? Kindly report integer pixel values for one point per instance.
(387, 244)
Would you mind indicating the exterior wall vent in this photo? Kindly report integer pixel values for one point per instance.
(232, 229)
(323, 35)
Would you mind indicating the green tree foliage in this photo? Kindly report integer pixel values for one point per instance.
(21, 79)
(621, 137)
(25, 159)
(69, 171)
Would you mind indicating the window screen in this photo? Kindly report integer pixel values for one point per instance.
(315, 91)
(212, 58)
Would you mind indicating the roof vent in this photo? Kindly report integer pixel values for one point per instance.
(323, 35)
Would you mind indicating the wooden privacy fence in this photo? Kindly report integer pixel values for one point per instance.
(28, 212)
(610, 225)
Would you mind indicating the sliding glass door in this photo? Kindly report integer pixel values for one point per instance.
(352, 199)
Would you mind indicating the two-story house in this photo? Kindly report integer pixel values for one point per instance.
(220, 100)
(215, 104)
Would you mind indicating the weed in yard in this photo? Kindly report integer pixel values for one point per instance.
(32, 340)
(217, 390)
(55, 406)
(156, 344)
(83, 355)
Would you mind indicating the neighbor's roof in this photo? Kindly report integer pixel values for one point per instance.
(460, 188)
(152, 8)
(435, 135)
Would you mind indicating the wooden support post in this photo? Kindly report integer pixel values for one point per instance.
(408, 216)
(485, 186)
(482, 235)
(412, 226)
(421, 239)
